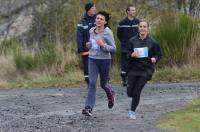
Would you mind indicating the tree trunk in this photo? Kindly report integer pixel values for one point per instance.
(194, 7)
(191, 7)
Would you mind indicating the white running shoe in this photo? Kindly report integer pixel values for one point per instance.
(131, 115)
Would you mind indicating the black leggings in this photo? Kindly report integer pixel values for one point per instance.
(134, 88)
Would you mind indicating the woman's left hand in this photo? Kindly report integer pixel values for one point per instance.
(153, 60)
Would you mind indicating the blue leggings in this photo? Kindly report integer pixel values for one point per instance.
(101, 67)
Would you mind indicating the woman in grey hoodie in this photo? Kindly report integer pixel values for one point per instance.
(101, 45)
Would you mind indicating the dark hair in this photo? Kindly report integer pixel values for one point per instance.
(106, 15)
(128, 8)
(88, 6)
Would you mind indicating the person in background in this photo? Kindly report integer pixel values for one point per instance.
(143, 53)
(127, 28)
(82, 35)
(101, 46)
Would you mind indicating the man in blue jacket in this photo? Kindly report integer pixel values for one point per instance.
(82, 35)
(127, 28)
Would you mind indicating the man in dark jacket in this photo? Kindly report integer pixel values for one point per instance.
(82, 35)
(127, 28)
(143, 53)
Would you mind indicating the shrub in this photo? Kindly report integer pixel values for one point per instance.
(175, 36)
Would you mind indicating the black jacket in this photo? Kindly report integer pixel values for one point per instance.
(82, 32)
(125, 30)
(143, 66)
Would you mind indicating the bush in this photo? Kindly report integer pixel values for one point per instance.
(175, 36)
(24, 62)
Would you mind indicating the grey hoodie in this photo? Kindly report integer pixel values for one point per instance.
(98, 52)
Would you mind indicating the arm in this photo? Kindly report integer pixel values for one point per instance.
(79, 37)
(119, 32)
(129, 50)
(157, 53)
(108, 44)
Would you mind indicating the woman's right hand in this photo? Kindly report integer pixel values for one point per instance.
(135, 54)
(88, 45)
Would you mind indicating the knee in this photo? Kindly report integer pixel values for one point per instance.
(92, 83)
(103, 85)
(136, 94)
(129, 94)
(129, 91)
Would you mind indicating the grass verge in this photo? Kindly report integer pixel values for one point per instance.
(75, 77)
(186, 119)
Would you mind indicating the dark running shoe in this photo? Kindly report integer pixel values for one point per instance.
(87, 111)
(124, 84)
(111, 100)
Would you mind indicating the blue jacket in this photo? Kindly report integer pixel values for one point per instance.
(82, 32)
(125, 30)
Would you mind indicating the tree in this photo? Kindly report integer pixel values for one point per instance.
(194, 7)
(191, 7)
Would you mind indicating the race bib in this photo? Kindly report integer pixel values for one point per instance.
(94, 44)
(143, 52)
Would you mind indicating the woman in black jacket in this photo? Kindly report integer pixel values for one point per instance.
(143, 54)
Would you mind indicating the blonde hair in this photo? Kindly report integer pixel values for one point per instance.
(144, 20)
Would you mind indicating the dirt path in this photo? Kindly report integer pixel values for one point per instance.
(59, 109)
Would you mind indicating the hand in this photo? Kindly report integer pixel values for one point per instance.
(153, 60)
(135, 54)
(84, 53)
(100, 42)
(87, 45)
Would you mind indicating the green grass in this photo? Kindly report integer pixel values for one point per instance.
(184, 120)
(74, 76)
(177, 73)
(176, 35)
(44, 79)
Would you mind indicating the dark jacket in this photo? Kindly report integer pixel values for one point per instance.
(82, 32)
(143, 66)
(125, 30)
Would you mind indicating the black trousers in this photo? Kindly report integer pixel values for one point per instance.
(124, 66)
(85, 68)
(134, 88)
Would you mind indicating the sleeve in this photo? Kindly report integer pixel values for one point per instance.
(157, 52)
(110, 43)
(129, 50)
(79, 37)
(119, 31)
(138, 22)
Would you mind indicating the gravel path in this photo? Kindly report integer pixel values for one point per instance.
(59, 109)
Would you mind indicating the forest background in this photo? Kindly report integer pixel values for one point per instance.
(43, 53)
